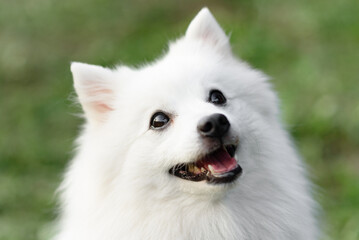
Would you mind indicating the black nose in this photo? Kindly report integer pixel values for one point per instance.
(215, 125)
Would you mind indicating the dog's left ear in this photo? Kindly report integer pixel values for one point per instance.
(204, 27)
(95, 87)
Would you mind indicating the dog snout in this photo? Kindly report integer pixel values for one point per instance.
(214, 126)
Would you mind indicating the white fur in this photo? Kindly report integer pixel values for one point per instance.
(118, 185)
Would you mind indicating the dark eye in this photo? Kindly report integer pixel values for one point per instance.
(159, 120)
(216, 97)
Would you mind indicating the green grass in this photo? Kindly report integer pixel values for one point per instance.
(310, 48)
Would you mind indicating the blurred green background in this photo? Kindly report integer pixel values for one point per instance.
(310, 48)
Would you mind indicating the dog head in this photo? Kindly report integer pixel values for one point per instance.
(192, 121)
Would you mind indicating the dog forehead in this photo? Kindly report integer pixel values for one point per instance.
(169, 88)
(171, 79)
(175, 90)
(181, 72)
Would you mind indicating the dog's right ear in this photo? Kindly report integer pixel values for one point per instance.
(204, 27)
(94, 86)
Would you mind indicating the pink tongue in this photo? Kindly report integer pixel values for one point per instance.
(220, 161)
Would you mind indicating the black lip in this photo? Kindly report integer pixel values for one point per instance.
(181, 171)
(231, 149)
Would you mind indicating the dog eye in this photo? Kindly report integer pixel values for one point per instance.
(159, 120)
(216, 97)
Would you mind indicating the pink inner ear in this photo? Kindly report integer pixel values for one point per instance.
(207, 37)
(101, 107)
(100, 91)
(102, 99)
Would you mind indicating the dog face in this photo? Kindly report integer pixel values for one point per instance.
(192, 122)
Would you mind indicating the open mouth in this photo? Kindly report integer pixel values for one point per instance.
(218, 166)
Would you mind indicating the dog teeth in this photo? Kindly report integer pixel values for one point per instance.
(197, 170)
(211, 169)
(191, 167)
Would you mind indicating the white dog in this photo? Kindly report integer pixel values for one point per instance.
(188, 147)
